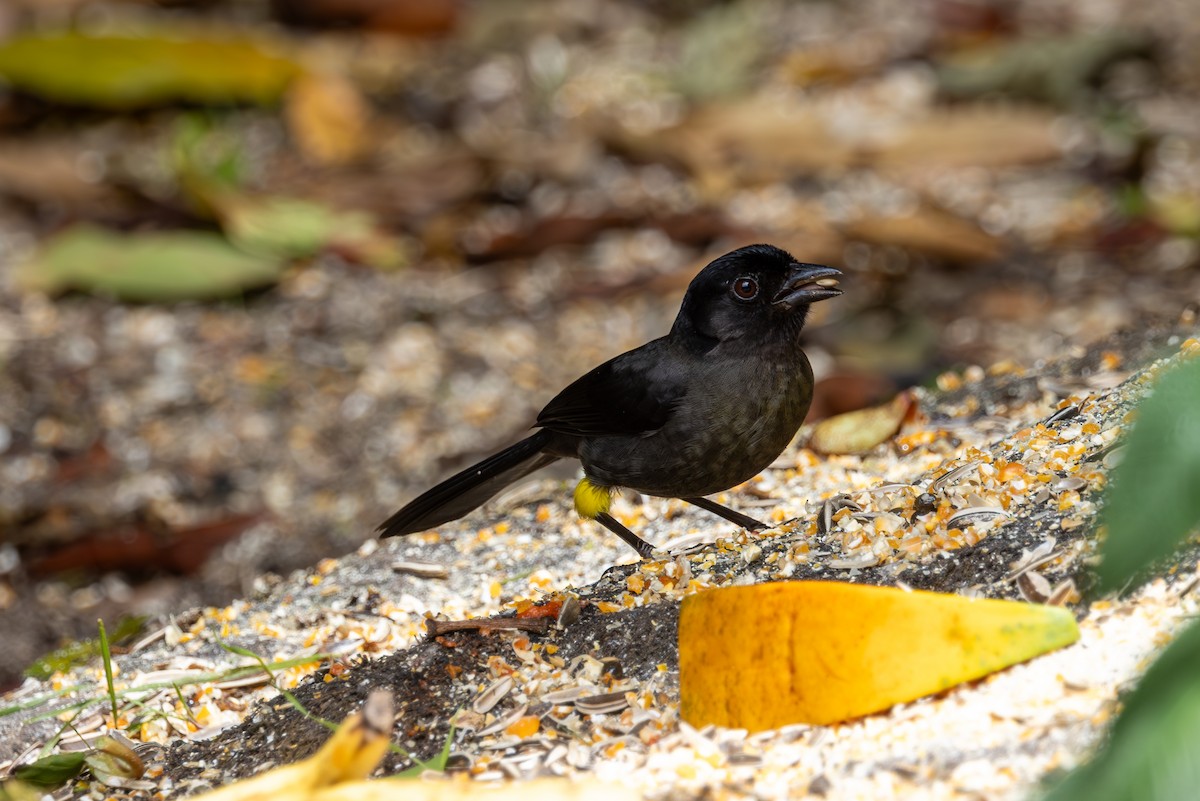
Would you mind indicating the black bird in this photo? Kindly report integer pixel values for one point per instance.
(704, 408)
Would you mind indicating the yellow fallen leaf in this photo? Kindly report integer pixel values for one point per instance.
(351, 754)
(764, 656)
(160, 65)
(861, 430)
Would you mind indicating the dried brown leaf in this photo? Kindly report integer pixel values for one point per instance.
(996, 136)
(929, 230)
(758, 140)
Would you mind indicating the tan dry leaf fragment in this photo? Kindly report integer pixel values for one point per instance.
(755, 141)
(329, 118)
(931, 231)
(991, 136)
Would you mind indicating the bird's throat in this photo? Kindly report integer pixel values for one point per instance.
(592, 499)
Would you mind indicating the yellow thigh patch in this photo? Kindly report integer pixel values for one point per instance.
(592, 499)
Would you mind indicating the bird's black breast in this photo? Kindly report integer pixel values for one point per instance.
(733, 418)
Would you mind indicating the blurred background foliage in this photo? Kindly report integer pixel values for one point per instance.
(268, 267)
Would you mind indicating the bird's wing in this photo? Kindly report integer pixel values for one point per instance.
(632, 394)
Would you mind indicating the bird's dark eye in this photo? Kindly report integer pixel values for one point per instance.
(746, 288)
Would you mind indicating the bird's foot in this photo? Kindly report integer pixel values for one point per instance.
(644, 549)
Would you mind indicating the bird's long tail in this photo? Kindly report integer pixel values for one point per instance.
(469, 489)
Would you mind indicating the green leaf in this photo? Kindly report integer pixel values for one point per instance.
(281, 226)
(1062, 71)
(1153, 503)
(1152, 752)
(720, 51)
(129, 72)
(293, 228)
(53, 770)
(151, 266)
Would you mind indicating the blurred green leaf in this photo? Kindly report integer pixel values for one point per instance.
(294, 228)
(127, 72)
(153, 266)
(281, 226)
(53, 770)
(720, 51)
(1060, 71)
(1153, 753)
(204, 150)
(13, 790)
(1178, 212)
(80, 652)
(1153, 504)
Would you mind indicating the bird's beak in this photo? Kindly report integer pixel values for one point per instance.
(807, 283)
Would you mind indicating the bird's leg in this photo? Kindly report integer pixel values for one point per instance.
(748, 523)
(638, 544)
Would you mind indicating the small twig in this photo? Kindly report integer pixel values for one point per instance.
(536, 625)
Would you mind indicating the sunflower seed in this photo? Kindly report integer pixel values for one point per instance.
(1065, 413)
(1061, 593)
(952, 477)
(855, 562)
(253, 680)
(962, 517)
(410, 567)
(604, 704)
(569, 613)
(504, 722)
(566, 695)
(686, 542)
(492, 695)
(1070, 483)
(1035, 557)
(1114, 457)
(744, 759)
(1034, 587)
(832, 506)
(885, 488)
(557, 754)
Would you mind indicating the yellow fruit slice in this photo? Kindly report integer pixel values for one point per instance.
(767, 655)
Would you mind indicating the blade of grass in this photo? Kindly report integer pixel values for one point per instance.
(106, 655)
(226, 675)
(38, 700)
(438, 763)
(246, 652)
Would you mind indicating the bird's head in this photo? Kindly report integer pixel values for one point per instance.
(758, 294)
